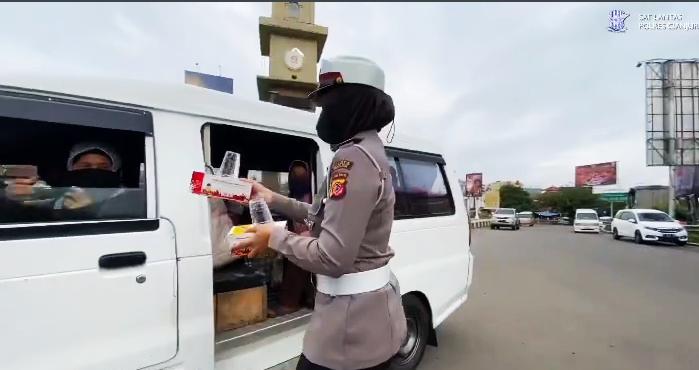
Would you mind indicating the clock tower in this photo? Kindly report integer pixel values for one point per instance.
(293, 44)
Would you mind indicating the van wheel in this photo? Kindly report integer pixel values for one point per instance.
(418, 320)
(615, 234)
(638, 238)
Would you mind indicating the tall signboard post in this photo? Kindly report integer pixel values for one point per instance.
(672, 115)
(474, 189)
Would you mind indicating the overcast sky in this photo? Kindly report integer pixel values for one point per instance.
(516, 91)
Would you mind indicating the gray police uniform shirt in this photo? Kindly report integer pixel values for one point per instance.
(351, 220)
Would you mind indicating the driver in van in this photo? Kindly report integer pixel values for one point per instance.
(358, 320)
(90, 165)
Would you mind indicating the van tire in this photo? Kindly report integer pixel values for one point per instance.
(637, 238)
(615, 234)
(418, 320)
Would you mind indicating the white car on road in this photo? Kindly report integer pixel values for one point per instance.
(505, 217)
(586, 220)
(648, 225)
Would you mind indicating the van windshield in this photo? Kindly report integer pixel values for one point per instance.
(586, 216)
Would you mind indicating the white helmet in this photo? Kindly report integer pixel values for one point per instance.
(349, 70)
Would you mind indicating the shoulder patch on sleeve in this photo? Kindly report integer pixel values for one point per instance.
(342, 164)
(338, 184)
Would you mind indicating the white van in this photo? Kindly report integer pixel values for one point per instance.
(586, 220)
(128, 282)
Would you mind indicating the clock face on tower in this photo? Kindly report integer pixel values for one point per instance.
(294, 59)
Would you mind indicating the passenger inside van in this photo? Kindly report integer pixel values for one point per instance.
(295, 289)
(224, 215)
(91, 177)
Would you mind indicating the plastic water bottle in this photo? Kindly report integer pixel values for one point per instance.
(259, 211)
(230, 166)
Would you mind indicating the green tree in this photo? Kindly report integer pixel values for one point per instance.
(568, 200)
(515, 197)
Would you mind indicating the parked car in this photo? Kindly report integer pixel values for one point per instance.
(505, 217)
(605, 224)
(586, 220)
(648, 225)
(526, 218)
(564, 221)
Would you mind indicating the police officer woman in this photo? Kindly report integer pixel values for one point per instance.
(358, 320)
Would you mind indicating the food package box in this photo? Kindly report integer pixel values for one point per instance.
(240, 232)
(230, 188)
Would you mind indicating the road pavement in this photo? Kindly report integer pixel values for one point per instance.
(546, 298)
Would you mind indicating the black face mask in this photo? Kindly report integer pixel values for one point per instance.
(351, 109)
(91, 178)
(299, 186)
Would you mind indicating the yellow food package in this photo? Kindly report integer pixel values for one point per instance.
(241, 232)
(238, 231)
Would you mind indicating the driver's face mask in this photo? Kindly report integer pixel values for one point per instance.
(91, 178)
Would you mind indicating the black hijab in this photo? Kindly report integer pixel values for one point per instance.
(350, 109)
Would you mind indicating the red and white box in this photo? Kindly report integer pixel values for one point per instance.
(229, 188)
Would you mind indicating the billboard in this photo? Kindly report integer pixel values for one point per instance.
(672, 112)
(595, 174)
(685, 180)
(474, 184)
(218, 83)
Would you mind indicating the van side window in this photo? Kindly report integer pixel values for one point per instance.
(423, 191)
(53, 172)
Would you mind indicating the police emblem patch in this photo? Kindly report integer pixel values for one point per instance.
(338, 185)
(342, 164)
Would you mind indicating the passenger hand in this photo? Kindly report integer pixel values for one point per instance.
(258, 241)
(20, 187)
(77, 199)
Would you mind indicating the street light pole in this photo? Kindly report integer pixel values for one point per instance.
(671, 196)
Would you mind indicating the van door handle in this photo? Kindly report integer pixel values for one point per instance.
(119, 260)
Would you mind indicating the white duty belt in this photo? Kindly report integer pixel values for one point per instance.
(355, 283)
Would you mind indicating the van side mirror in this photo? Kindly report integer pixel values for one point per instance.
(632, 221)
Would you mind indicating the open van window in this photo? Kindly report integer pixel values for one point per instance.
(257, 283)
(62, 172)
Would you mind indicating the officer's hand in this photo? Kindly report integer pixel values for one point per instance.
(259, 190)
(20, 187)
(258, 241)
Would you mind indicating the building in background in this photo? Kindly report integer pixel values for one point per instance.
(218, 83)
(294, 44)
(491, 197)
